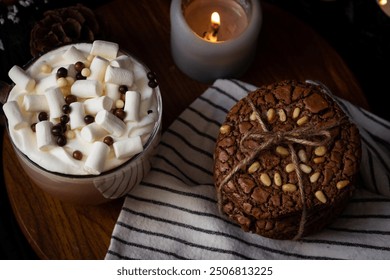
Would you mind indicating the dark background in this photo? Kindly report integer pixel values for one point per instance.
(358, 30)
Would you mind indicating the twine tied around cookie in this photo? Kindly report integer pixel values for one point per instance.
(308, 136)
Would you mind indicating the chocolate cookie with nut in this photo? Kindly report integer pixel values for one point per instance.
(285, 161)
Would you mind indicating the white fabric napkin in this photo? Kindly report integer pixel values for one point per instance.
(173, 213)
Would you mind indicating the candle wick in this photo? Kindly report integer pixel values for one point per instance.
(211, 35)
(215, 27)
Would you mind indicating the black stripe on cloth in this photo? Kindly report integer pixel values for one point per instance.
(225, 93)
(216, 106)
(189, 194)
(204, 117)
(346, 244)
(380, 232)
(240, 85)
(177, 168)
(159, 170)
(207, 248)
(190, 145)
(217, 233)
(132, 244)
(183, 121)
(173, 206)
(191, 163)
(119, 256)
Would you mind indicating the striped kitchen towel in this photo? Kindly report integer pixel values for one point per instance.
(173, 213)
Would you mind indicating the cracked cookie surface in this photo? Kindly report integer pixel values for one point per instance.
(286, 159)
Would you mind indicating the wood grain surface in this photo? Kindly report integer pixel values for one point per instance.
(287, 49)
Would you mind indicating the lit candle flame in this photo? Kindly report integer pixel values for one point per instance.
(215, 24)
(382, 2)
(215, 19)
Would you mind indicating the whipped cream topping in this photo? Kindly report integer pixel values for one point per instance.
(82, 109)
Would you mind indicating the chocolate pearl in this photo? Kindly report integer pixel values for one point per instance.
(62, 72)
(151, 75)
(79, 76)
(43, 116)
(57, 130)
(79, 66)
(61, 140)
(123, 89)
(77, 155)
(64, 119)
(120, 113)
(70, 99)
(150, 111)
(33, 126)
(66, 108)
(89, 119)
(64, 127)
(152, 84)
(108, 140)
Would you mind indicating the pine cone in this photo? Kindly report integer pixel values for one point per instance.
(63, 26)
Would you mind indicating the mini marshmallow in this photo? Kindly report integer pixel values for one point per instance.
(21, 78)
(119, 76)
(45, 83)
(143, 132)
(92, 132)
(96, 158)
(128, 147)
(35, 103)
(122, 61)
(93, 105)
(140, 78)
(150, 118)
(87, 88)
(111, 123)
(44, 136)
(108, 50)
(73, 55)
(14, 115)
(132, 102)
(98, 68)
(112, 91)
(76, 115)
(55, 101)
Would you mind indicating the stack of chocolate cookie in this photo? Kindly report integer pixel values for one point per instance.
(286, 160)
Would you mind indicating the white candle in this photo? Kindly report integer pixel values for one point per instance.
(385, 6)
(206, 49)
